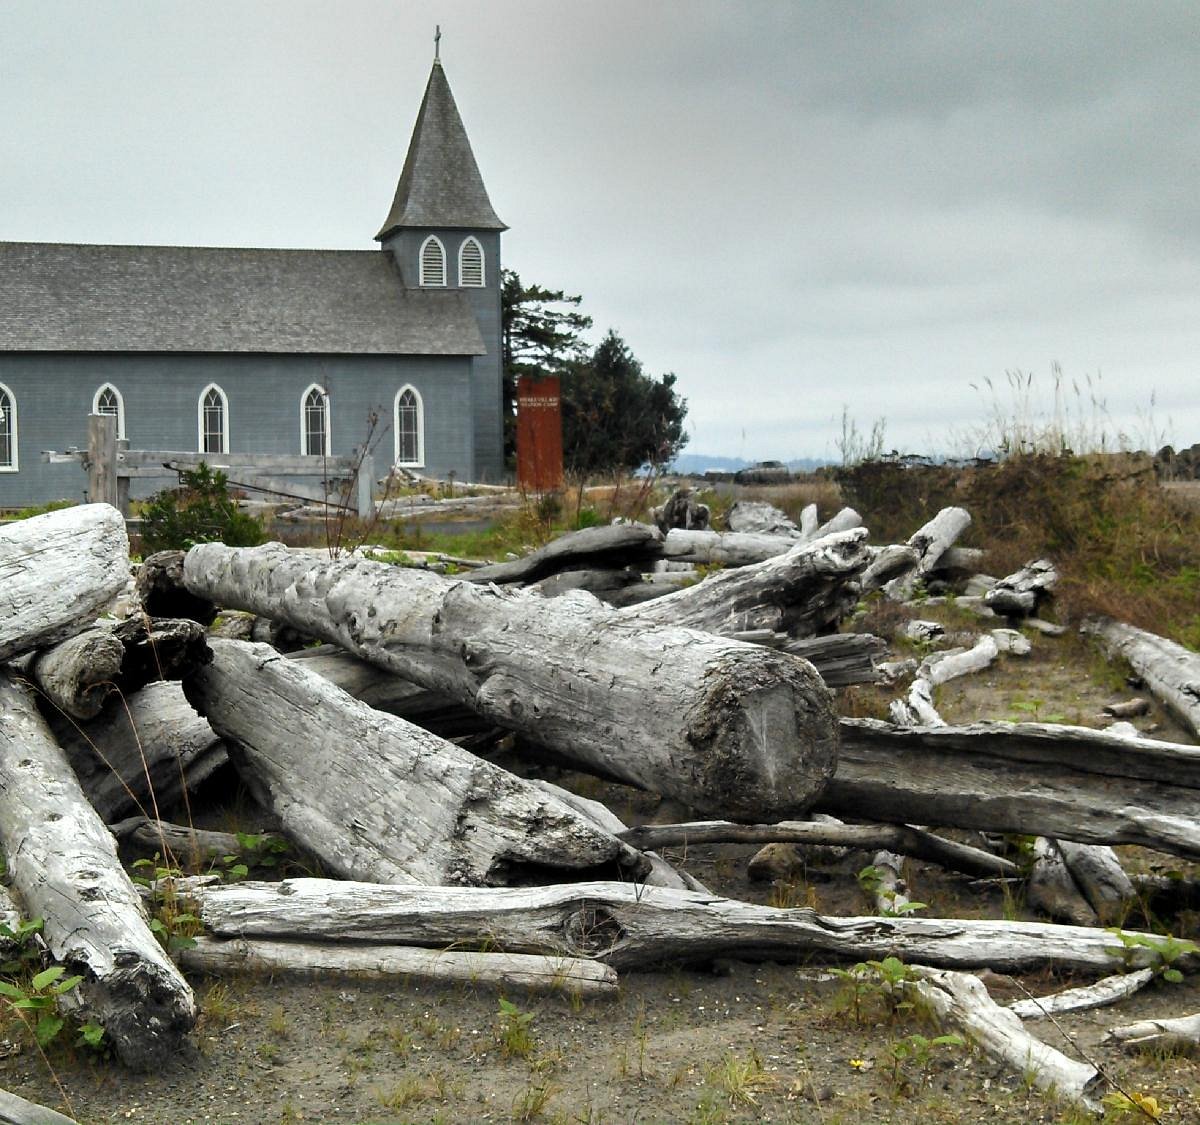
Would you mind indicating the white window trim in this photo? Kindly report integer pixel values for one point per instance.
(472, 240)
(304, 420)
(224, 418)
(120, 406)
(419, 463)
(12, 401)
(421, 262)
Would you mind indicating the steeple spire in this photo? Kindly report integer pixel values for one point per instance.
(437, 43)
(440, 185)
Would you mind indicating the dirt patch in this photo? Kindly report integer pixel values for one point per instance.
(729, 1042)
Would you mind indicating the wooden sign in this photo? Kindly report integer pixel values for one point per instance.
(539, 435)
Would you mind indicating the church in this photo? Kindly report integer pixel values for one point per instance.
(219, 350)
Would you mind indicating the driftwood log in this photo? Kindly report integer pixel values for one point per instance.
(930, 543)
(724, 548)
(1180, 1035)
(16, 1110)
(1098, 873)
(1072, 783)
(1020, 594)
(612, 545)
(1171, 672)
(63, 864)
(1051, 888)
(841, 658)
(713, 723)
(961, 1000)
(376, 798)
(915, 842)
(1109, 990)
(806, 591)
(528, 971)
(192, 845)
(634, 926)
(160, 587)
(58, 573)
(140, 753)
(760, 518)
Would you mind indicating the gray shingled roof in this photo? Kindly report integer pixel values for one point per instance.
(440, 185)
(58, 297)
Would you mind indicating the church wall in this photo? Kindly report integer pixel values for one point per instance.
(54, 394)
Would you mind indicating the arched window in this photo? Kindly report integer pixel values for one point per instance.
(108, 400)
(433, 262)
(214, 420)
(314, 422)
(8, 430)
(409, 427)
(470, 263)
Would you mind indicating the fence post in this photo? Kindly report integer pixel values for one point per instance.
(365, 482)
(122, 480)
(102, 459)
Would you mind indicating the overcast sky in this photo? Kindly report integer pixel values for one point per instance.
(797, 207)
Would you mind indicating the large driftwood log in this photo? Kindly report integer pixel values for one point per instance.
(58, 572)
(916, 709)
(611, 545)
(63, 864)
(531, 972)
(1019, 594)
(139, 753)
(191, 845)
(1098, 873)
(915, 842)
(1071, 783)
(630, 926)
(930, 542)
(711, 722)
(376, 798)
(1109, 990)
(842, 520)
(1171, 672)
(841, 658)
(1181, 1034)
(160, 587)
(80, 673)
(760, 518)
(724, 548)
(940, 667)
(960, 1000)
(806, 591)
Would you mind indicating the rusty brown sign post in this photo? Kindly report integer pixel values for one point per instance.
(539, 435)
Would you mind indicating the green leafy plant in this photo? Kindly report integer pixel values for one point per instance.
(170, 921)
(1163, 952)
(871, 879)
(919, 1050)
(200, 510)
(873, 985)
(1132, 1106)
(36, 1001)
(513, 1030)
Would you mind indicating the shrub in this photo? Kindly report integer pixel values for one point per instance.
(198, 511)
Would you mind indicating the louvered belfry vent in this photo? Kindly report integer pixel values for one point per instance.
(470, 263)
(433, 262)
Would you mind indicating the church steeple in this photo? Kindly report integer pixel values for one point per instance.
(440, 185)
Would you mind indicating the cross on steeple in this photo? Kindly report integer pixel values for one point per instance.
(437, 40)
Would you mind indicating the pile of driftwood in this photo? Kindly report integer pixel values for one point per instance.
(715, 692)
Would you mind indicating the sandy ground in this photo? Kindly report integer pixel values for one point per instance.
(729, 1042)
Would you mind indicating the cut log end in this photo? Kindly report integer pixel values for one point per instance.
(746, 731)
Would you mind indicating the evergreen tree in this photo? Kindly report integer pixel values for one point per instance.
(615, 416)
(540, 336)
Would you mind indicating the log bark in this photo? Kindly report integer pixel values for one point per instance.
(1019, 594)
(1181, 1034)
(806, 591)
(1109, 990)
(139, 753)
(1171, 672)
(634, 926)
(80, 673)
(905, 839)
(376, 798)
(960, 1000)
(841, 658)
(713, 723)
(63, 864)
(611, 545)
(1071, 783)
(930, 542)
(530, 972)
(681, 510)
(58, 573)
